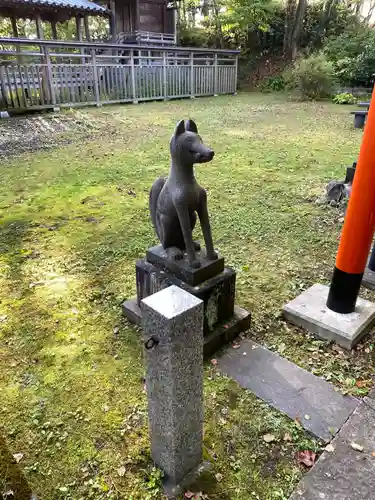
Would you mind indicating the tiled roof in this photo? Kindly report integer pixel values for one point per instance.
(81, 5)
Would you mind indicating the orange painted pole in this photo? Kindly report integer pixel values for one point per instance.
(359, 226)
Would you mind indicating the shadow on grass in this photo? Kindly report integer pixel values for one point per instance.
(12, 481)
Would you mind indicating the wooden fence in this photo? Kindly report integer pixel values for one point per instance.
(40, 74)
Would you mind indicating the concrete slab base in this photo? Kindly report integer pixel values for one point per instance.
(220, 336)
(309, 311)
(368, 280)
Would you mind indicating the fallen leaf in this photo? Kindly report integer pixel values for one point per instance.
(281, 348)
(121, 471)
(287, 437)
(219, 477)
(214, 362)
(297, 421)
(18, 457)
(356, 447)
(268, 438)
(306, 457)
(330, 448)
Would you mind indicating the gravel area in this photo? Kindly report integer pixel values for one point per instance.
(40, 131)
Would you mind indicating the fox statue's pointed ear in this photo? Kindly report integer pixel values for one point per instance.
(180, 129)
(191, 126)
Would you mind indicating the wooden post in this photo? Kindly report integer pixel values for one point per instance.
(15, 34)
(14, 27)
(79, 35)
(236, 75)
(192, 89)
(87, 29)
(50, 76)
(96, 77)
(113, 30)
(39, 27)
(54, 29)
(165, 79)
(46, 78)
(132, 69)
(136, 17)
(215, 76)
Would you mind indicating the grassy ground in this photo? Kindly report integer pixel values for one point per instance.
(73, 221)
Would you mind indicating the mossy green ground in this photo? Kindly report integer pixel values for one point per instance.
(73, 221)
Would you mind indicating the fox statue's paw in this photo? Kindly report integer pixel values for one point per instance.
(195, 264)
(197, 246)
(175, 253)
(212, 256)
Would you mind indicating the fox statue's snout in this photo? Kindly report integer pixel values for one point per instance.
(203, 154)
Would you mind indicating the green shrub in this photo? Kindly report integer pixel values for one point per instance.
(344, 98)
(353, 57)
(313, 77)
(273, 84)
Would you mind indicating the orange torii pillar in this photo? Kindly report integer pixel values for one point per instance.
(359, 226)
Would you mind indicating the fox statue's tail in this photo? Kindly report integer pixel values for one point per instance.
(153, 200)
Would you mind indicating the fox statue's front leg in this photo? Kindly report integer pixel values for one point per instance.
(206, 226)
(185, 223)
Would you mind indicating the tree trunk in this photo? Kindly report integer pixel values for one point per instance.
(219, 31)
(300, 14)
(288, 27)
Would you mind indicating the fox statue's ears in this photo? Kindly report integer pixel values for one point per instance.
(180, 129)
(190, 127)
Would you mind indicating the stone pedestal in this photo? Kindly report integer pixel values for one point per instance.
(213, 283)
(309, 310)
(172, 322)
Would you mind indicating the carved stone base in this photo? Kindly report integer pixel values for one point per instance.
(217, 293)
(182, 269)
(213, 283)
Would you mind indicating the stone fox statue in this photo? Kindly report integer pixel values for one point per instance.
(175, 201)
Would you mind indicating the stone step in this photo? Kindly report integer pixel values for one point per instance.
(289, 388)
(345, 473)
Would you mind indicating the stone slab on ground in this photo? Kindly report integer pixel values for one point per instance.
(289, 388)
(368, 280)
(370, 399)
(345, 474)
(309, 311)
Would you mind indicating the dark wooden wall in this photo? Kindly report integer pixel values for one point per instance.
(153, 16)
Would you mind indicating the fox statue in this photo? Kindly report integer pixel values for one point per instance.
(175, 200)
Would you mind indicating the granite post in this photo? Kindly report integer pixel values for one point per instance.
(172, 321)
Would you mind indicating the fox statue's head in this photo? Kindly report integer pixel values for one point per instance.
(187, 146)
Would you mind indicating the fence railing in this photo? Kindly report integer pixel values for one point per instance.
(39, 73)
(148, 37)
